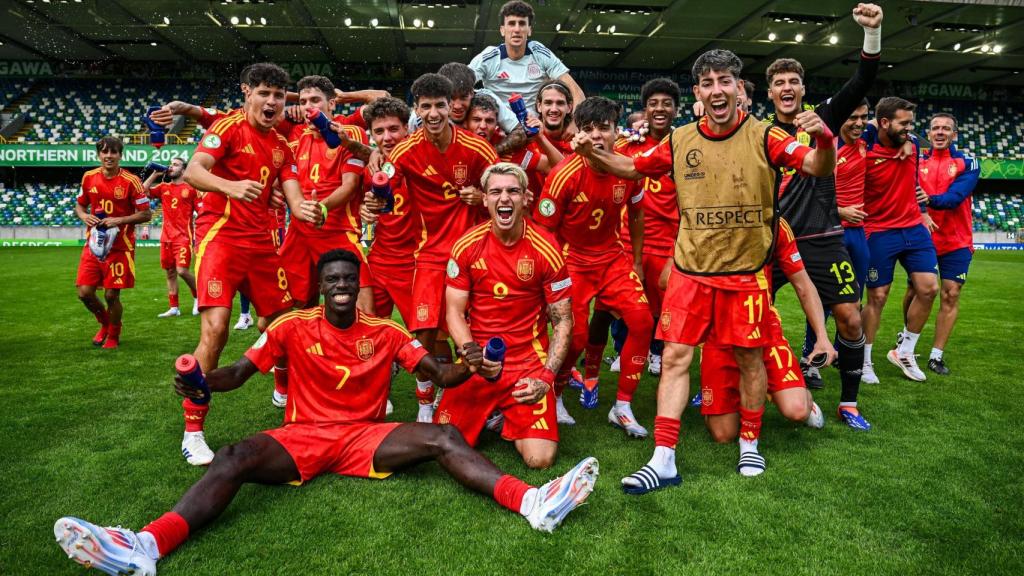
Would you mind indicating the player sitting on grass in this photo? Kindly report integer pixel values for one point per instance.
(340, 361)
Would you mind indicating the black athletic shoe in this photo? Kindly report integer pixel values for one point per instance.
(938, 366)
(812, 377)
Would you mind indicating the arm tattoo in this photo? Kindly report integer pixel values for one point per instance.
(561, 333)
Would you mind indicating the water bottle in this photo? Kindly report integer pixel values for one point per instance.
(515, 102)
(495, 352)
(380, 185)
(323, 124)
(189, 370)
(156, 167)
(157, 133)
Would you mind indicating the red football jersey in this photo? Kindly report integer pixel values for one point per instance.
(787, 255)
(179, 202)
(850, 167)
(890, 190)
(335, 376)
(399, 232)
(242, 152)
(321, 170)
(563, 145)
(116, 197)
(528, 158)
(584, 208)
(661, 209)
(434, 178)
(939, 171)
(782, 150)
(509, 288)
(207, 116)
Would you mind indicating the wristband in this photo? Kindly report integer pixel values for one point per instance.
(873, 40)
(825, 139)
(547, 376)
(323, 212)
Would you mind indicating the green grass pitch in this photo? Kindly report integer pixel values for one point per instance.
(935, 488)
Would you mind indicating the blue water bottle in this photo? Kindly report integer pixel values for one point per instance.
(495, 352)
(380, 185)
(156, 167)
(157, 134)
(190, 371)
(323, 124)
(515, 102)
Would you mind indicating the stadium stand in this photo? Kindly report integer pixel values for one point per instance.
(998, 212)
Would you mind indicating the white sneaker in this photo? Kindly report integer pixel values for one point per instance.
(616, 365)
(562, 415)
(622, 417)
(654, 364)
(495, 422)
(112, 550)
(816, 419)
(562, 495)
(867, 373)
(908, 364)
(389, 409)
(172, 311)
(425, 414)
(195, 307)
(195, 450)
(244, 322)
(279, 400)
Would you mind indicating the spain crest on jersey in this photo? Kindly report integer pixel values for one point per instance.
(119, 193)
(278, 157)
(524, 269)
(214, 288)
(184, 193)
(461, 172)
(951, 169)
(618, 193)
(364, 349)
(803, 138)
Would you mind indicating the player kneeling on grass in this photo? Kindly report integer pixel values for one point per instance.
(340, 361)
(505, 277)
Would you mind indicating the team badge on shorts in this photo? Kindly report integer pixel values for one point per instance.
(278, 157)
(214, 288)
(461, 172)
(119, 193)
(422, 312)
(707, 397)
(547, 207)
(666, 320)
(443, 417)
(873, 274)
(364, 349)
(618, 193)
(524, 269)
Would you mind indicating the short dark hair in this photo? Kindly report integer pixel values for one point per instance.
(596, 109)
(659, 86)
(484, 103)
(431, 86)
(887, 107)
(110, 144)
(336, 255)
(517, 8)
(321, 83)
(748, 86)
(461, 76)
(783, 65)
(942, 115)
(717, 60)
(385, 108)
(243, 76)
(268, 74)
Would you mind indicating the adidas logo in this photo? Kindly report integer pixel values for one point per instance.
(581, 198)
(790, 377)
(755, 334)
(540, 424)
(429, 171)
(848, 289)
(503, 76)
(479, 265)
(315, 350)
(248, 149)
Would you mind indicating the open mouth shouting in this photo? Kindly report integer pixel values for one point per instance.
(505, 215)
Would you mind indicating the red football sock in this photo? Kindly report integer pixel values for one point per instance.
(114, 332)
(666, 431)
(281, 380)
(509, 492)
(169, 531)
(592, 360)
(102, 316)
(195, 415)
(173, 299)
(750, 423)
(634, 351)
(423, 395)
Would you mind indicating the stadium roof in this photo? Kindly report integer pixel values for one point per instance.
(961, 42)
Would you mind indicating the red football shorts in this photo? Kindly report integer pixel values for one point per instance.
(345, 449)
(116, 272)
(223, 269)
(175, 255)
(468, 406)
(691, 310)
(720, 376)
(616, 288)
(428, 299)
(300, 253)
(392, 288)
(652, 265)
